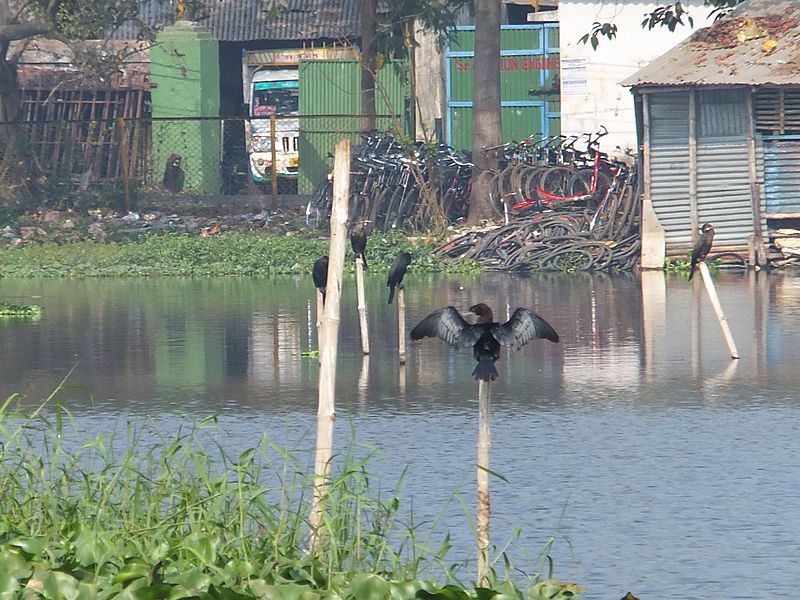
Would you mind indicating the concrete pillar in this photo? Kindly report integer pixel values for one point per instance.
(430, 83)
(184, 68)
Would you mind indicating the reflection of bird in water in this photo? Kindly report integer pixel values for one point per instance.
(319, 272)
(485, 335)
(702, 247)
(358, 239)
(397, 272)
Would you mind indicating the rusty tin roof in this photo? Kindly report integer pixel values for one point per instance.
(245, 20)
(757, 44)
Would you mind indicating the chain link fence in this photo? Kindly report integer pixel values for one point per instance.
(120, 162)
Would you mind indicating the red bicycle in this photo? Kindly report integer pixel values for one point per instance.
(562, 185)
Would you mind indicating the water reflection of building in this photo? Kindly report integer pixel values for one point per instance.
(276, 343)
(606, 347)
(784, 314)
(682, 336)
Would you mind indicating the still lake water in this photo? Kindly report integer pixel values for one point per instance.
(662, 466)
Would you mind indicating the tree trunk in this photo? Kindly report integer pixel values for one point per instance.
(486, 123)
(9, 91)
(409, 39)
(368, 34)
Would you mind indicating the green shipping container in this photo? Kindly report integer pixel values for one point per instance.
(529, 82)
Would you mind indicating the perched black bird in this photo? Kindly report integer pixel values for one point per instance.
(319, 272)
(485, 335)
(358, 239)
(174, 175)
(702, 247)
(397, 272)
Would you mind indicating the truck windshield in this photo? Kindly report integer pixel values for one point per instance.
(275, 98)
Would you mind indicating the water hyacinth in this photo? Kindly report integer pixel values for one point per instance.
(140, 515)
(233, 253)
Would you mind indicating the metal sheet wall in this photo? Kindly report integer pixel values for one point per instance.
(333, 87)
(723, 190)
(669, 191)
(529, 79)
(782, 173)
(723, 179)
(669, 165)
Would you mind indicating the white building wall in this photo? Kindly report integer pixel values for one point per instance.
(598, 99)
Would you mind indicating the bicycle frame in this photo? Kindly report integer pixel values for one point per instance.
(547, 199)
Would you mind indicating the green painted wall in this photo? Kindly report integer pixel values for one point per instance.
(333, 87)
(529, 82)
(185, 70)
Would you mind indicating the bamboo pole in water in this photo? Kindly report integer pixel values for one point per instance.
(330, 334)
(723, 321)
(320, 310)
(362, 305)
(401, 324)
(484, 503)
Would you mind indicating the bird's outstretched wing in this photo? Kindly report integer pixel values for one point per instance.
(522, 327)
(448, 324)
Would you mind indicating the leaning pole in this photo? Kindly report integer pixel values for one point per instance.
(329, 342)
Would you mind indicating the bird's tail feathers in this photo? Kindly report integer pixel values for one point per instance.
(485, 370)
(691, 273)
(364, 260)
(391, 293)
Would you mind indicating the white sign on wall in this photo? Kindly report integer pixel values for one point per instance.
(573, 76)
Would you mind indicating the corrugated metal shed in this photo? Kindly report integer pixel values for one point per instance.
(245, 20)
(758, 44)
(782, 174)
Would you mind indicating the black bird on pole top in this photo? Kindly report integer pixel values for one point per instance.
(358, 239)
(319, 272)
(702, 247)
(397, 272)
(486, 336)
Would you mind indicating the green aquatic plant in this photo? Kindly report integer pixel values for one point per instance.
(29, 311)
(232, 253)
(137, 514)
(682, 265)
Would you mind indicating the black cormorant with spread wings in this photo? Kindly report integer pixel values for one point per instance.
(485, 335)
(319, 272)
(397, 272)
(702, 247)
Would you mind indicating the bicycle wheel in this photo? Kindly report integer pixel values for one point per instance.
(393, 208)
(555, 180)
(580, 184)
(408, 206)
(319, 205)
(381, 208)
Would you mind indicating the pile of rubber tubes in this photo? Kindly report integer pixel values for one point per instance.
(558, 240)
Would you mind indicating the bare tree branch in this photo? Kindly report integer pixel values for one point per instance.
(20, 31)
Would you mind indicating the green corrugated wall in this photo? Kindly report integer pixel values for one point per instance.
(330, 88)
(529, 83)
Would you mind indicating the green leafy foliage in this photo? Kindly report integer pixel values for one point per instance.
(129, 519)
(608, 30)
(192, 255)
(682, 265)
(30, 311)
(667, 15)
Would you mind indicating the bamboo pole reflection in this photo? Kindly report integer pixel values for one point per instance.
(401, 380)
(654, 305)
(363, 379)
